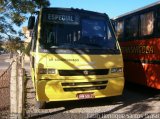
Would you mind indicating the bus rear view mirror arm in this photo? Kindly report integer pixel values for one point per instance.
(31, 22)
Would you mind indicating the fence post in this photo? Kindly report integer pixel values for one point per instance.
(20, 92)
(13, 91)
(17, 90)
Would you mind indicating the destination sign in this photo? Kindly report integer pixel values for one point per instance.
(63, 18)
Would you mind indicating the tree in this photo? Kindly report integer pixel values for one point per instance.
(13, 45)
(1, 45)
(13, 13)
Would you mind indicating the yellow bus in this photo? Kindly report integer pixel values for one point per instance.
(74, 56)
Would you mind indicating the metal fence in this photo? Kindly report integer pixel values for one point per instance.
(5, 92)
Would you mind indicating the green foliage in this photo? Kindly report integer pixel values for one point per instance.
(14, 44)
(13, 12)
(1, 45)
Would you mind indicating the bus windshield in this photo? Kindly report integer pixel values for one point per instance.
(89, 33)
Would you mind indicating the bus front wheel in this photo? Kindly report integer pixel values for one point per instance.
(40, 104)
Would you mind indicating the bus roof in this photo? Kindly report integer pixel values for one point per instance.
(74, 9)
(137, 10)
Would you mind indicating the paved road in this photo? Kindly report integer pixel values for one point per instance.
(136, 102)
(4, 61)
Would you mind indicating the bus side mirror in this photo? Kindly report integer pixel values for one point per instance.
(31, 22)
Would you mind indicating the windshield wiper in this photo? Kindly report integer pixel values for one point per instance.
(54, 46)
(64, 45)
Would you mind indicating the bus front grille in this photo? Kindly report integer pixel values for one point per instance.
(84, 86)
(83, 72)
(85, 83)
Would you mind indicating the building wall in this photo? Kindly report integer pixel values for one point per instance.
(28, 34)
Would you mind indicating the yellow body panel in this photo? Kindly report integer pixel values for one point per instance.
(49, 86)
(53, 91)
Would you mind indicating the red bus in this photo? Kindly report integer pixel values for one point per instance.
(139, 35)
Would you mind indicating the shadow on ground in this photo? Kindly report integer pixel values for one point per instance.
(135, 100)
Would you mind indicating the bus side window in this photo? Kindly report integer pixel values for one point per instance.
(147, 23)
(158, 22)
(131, 27)
(34, 36)
(119, 28)
(33, 42)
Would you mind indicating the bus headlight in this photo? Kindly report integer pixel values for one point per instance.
(42, 71)
(116, 70)
(51, 71)
(47, 71)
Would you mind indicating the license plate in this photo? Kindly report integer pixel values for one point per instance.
(85, 95)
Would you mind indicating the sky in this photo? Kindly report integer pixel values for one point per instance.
(113, 8)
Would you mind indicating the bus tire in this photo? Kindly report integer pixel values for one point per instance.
(40, 104)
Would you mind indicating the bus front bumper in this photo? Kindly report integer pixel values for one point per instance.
(61, 90)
